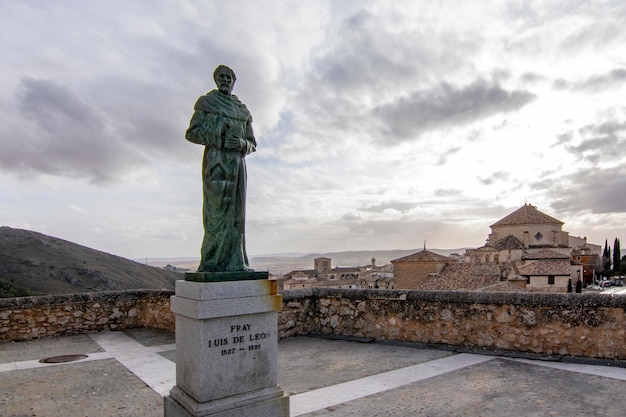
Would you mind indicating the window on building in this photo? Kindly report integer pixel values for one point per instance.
(550, 279)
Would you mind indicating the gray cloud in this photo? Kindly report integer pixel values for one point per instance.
(364, 54)
(597, 186)
(499, 176)
(608, 30)
(447, 192)
(109, 131)
(531, 77)
(52, 106)
(397, 230)
(598, 82)
(604, 81)
(61, 134)
(447, 105)
(597, 190)
(601, 143)
(352, 216)
(149, 117)
(393, 205)
(564, 139)
(364, 66)
(444, 156)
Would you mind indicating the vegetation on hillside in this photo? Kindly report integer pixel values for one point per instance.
(8, 290)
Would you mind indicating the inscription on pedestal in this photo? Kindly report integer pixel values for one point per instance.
(241, 339)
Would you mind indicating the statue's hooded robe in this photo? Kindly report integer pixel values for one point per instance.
(223, 180)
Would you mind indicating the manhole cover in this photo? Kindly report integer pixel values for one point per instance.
(62, 358)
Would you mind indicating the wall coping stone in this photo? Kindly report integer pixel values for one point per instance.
(472, 297)
(467, 297)
(50, 300)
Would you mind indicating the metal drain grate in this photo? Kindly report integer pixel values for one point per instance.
(63, 358)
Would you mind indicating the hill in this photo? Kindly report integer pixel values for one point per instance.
(37, 264)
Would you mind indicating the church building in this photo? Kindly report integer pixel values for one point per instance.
(527, 250)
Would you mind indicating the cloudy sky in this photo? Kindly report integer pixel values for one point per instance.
(380, 124)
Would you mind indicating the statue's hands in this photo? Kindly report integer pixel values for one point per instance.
(234, 143)
(231, 140)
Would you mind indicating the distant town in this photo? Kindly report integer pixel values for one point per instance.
(526, 251)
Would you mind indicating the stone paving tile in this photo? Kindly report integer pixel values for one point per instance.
(307, 363)
(88, 389)
(494, 389)
(169, 354)
(47, 347)
(151, 337)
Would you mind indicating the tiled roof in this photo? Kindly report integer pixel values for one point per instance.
(344, 269)
(545, 267)
(424, 256)
(486, 248)
(300, 281)
(467, 276)
(545, 254)
(584, 251)
(527, 214)
(503, 286)
(302, 271)
(509, 242)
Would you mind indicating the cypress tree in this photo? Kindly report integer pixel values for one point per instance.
(616, 256)
(606, 259)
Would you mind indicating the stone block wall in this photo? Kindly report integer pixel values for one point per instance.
(584, 325)
(581, 325)
(298, 313)
(27, 318)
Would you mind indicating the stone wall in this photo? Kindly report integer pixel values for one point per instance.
(583, 325)
(299, 312)
(33, 317)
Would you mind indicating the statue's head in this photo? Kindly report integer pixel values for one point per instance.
(224, 78)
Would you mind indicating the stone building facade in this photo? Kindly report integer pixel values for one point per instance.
(323, 275)
(589, 260)
(413, 270)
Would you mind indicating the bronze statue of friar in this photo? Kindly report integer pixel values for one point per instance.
(223, 124)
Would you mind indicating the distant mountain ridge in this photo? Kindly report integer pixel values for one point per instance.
(34, 263)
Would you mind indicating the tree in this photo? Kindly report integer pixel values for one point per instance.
(616, 257)
(606, 259)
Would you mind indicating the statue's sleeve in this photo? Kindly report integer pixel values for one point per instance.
(203, 130)
(250, 139)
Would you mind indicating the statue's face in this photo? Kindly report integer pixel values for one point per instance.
(225, 82)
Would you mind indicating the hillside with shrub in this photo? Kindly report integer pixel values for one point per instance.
(32, 263)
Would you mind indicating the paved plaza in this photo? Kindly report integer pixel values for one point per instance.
(127, 373)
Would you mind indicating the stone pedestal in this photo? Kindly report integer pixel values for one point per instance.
(226, 349)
